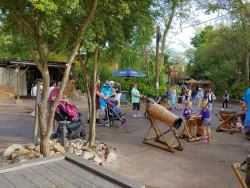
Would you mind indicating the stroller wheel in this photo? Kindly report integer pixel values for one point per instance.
(82, 134)
(54, 136)
(122, 124)
(107, 124)
(146, 115)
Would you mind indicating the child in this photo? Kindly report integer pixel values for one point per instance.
(187, 111)
(180, 99)
(173, 100)
(206, 122)
(239, 126)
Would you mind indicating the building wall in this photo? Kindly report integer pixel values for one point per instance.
(8, 78)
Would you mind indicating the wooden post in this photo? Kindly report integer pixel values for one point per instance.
(34, 140)
(169, 71)
(157, 59)
(18, 83)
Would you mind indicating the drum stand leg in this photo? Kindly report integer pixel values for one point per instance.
(219, 128)
(185, 131)
(164, 144)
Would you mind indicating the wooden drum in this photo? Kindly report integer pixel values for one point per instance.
(191, 124)
(162, 114)
(225, 114)
(199, 124)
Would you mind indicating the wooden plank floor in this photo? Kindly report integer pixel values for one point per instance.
(64, 171)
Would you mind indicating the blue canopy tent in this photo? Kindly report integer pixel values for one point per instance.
(128, 73)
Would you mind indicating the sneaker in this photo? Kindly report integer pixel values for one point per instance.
(209, 139)
(134, 115)
(98, 123)
(222, 109)
(33, 114)
(203, 140)
(139, 115)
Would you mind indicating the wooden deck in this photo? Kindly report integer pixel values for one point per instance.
(64, 170)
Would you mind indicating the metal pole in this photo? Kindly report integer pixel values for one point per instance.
(18, 83)
(157, 58)
(169, 71)
(34, 140)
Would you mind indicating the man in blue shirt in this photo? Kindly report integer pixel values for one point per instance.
(247, 100)
(106, 90)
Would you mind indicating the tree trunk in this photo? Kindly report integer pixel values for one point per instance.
(167, 24)
(92, 115)
(147, 63)
(247, 68)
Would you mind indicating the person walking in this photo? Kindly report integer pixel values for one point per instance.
(118, 92)
(113, 97)
(33, 92)
(180, 99)
(210, 96)
(193, 95)
(99, 95)
(106, 90)
(136, 97)
(169, 97)
(225, 99)
(199, 96)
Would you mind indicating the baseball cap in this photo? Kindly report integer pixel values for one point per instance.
(112, 82)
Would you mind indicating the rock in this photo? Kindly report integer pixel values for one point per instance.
(78, 152)
(93, 152)
(51, 147)
(15, 161)
(111, 157)
(84, 141)
(70, 149)
(98, 160)
(10, 150)
(52, 152)
(39, 140)
(95, 156)
(103, 152)
(23, 151)
(50, 142)
(84, 148)
(31, 146)
(89, 149)
(59, 148)
(31, 152)
(37, 155)
(23, 160)
(57, 153)
(34, 157)
(14, 155)
(111, 150)
(96, 142)
(104, 147)
(86, 144)
(20, 158)
(31, 155)
(100, 155)
(37, 147)
(87, 155)
(99, 147)
(103, 164)
(38, 150)
(96, 150)
(8, 161)
(79, 147)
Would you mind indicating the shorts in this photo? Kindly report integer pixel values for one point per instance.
(48, 106)
(118, 96)
(180, 101)
(206, 122)
(103, 110)
(173, 101)
(98, 106)
(136, 105)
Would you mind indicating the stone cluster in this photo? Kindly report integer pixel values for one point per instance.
(100, 153)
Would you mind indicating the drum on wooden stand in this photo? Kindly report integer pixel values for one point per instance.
(227, 117)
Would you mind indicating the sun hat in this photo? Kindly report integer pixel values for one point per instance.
(107, 84)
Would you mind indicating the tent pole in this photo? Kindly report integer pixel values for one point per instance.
(128, 84)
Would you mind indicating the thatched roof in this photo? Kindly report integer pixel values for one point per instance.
(192, 81)
(207, 82)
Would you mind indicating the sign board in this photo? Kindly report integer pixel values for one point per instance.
(173, 74)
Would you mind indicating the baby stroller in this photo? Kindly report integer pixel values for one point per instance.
(112, 114)
(158, 100)
(68, 112)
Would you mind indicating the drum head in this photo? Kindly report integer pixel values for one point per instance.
(177, 123)
(227, 112)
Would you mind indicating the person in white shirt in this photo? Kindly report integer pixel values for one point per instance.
(33, 93)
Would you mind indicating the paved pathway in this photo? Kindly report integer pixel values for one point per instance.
(198, 165)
